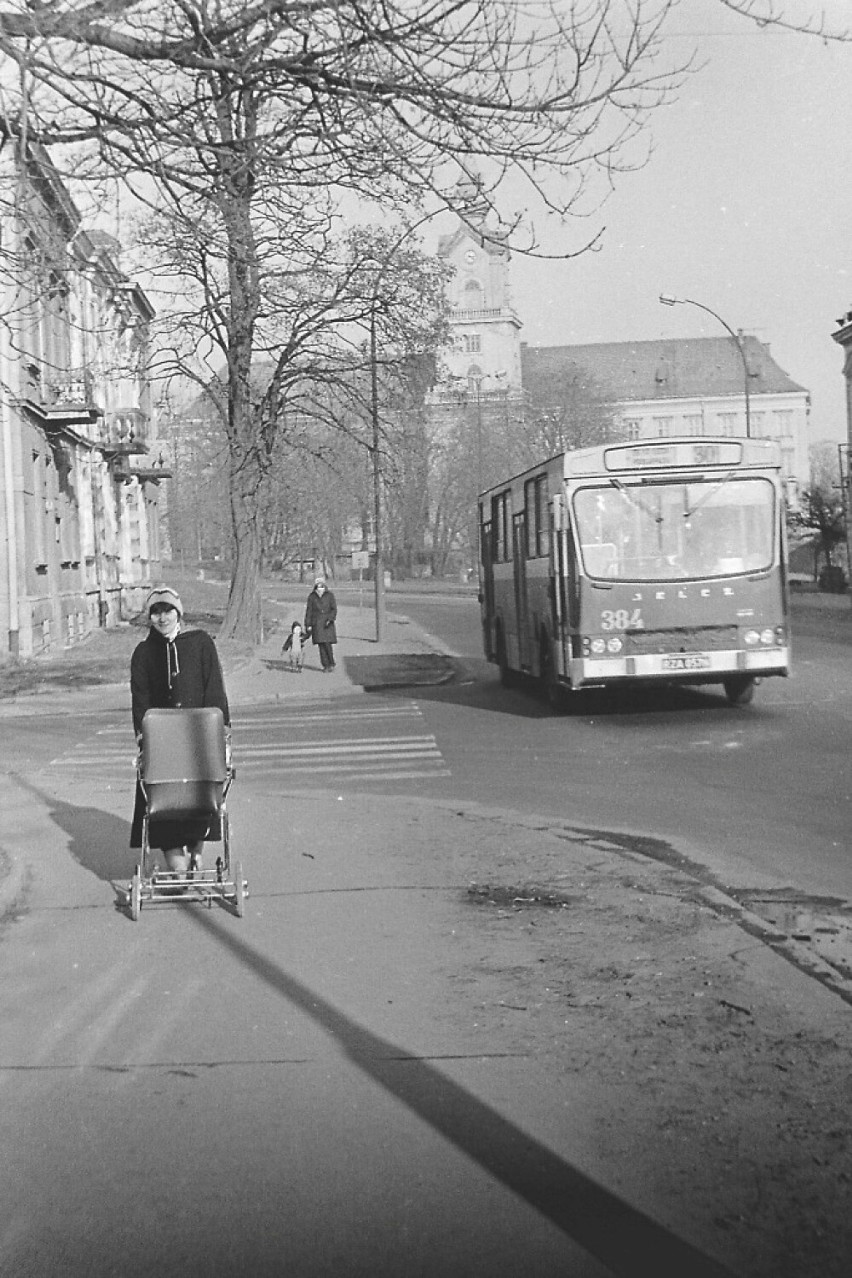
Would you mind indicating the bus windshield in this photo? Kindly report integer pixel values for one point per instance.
(670, 529)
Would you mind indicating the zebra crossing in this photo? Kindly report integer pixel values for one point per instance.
(368, 742)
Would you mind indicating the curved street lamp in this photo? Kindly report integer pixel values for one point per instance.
(668, 300)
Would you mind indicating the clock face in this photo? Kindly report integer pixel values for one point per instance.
(470, 256)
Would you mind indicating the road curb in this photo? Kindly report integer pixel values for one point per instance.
(787, 947)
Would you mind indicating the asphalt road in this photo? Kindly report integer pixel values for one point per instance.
(760, 795)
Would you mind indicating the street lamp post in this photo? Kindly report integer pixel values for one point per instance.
(378, 562)
(668, 300)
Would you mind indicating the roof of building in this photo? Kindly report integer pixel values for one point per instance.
(668, 368)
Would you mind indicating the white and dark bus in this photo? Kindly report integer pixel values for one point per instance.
(650, 561)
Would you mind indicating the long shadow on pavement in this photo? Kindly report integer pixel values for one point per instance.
(625, 1239)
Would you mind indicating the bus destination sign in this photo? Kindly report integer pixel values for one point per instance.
(661, 456)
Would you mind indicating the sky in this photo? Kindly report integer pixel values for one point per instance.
(745, 205)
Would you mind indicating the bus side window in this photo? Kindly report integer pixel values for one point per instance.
(542, 521)
(529, 510)
(538, 530)
(501, 523)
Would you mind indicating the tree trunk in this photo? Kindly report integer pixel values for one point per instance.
(243, 616)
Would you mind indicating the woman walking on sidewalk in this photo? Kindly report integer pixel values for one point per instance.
(320, 616)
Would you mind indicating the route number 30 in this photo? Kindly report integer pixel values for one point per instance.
(621, 619)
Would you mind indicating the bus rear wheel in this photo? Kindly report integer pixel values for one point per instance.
(740, 690)
(549, 686)
(508, 676)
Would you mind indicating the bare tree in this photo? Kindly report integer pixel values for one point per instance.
(570, 411)
(235, 119)
(821, 510)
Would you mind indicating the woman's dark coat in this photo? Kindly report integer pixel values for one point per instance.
(187, 678)
(320, 616)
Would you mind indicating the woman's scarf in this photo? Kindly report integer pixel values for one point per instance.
(172, 660)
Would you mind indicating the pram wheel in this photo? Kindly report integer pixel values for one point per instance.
(136, 894)
(239, 891)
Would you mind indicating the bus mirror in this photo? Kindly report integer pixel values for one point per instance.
(480, 597)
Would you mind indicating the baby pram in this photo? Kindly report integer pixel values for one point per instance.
(184, 773)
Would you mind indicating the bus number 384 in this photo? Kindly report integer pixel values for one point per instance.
(621, 619)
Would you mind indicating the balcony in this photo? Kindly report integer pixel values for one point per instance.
(150, 474)
(471, 316)
(124, 433)
(61, 401)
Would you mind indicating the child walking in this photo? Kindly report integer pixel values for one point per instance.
(293, 645)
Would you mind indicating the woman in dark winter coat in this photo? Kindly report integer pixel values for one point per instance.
(174, 669)
(320, 616)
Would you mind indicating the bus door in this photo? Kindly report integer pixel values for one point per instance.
(486, 596)
(559, 562)
(519, 548)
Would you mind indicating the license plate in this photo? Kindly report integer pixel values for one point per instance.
(692, 661)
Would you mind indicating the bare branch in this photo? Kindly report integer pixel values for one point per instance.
(771, 13)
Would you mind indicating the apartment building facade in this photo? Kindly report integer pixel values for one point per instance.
(79, 470)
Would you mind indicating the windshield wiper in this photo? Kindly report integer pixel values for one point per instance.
(656, 515)
(687, 514)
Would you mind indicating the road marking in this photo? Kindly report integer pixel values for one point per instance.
(339, 744)
(274, 744)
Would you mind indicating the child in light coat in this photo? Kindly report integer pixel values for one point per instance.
(293, 645)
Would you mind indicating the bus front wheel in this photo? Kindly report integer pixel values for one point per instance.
(740, 691)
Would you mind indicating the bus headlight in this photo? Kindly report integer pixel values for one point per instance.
(767, 635)
(614, 645)
(751, 637)
(598, 646)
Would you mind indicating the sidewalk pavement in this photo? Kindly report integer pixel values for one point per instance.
(805, 596)
(406, 654)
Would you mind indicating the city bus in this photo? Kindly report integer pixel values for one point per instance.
(658, 561)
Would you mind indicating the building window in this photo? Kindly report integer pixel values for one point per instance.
(663, 425)
(474, 379)
(472, 343)
(758, 425)
(692, 424)
(727, 423)
(632, 428)
(783, 421)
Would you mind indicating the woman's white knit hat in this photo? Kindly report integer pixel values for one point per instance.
(164, 595)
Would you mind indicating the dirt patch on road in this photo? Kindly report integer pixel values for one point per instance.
(720, 1077)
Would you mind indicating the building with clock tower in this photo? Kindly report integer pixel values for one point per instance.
(484, 353)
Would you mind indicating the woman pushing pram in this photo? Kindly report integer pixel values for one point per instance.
(173, 669)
